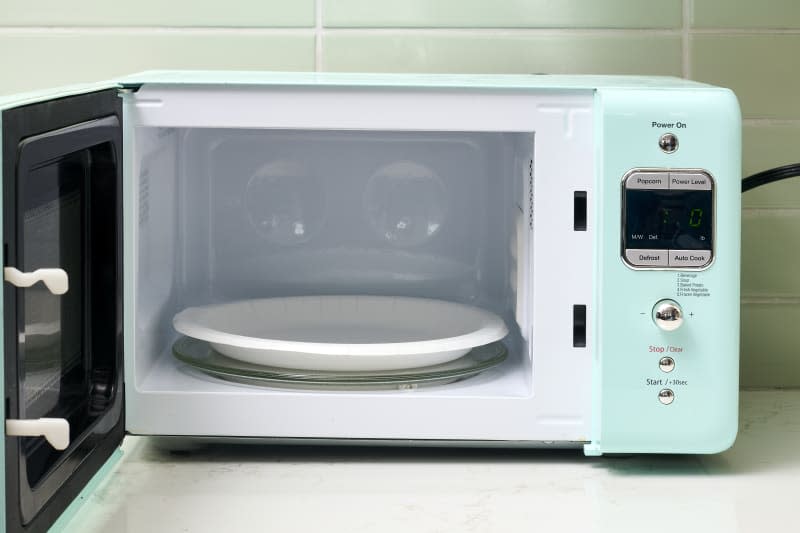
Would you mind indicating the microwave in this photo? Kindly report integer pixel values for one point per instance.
(595, 220)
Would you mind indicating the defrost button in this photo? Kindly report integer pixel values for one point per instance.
(643, 257)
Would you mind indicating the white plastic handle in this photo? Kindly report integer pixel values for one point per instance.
(54, 279)
(54, 430)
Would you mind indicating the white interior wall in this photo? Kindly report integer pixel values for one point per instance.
(223, 124)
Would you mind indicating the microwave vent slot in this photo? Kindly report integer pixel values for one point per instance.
(579, 211)
(579, 326)
(144, 197)
(530, 194)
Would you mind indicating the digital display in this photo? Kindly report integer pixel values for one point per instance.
(668, 219)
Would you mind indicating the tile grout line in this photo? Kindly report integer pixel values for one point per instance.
(772, 300)
(686, 67)
(505, 31)
(165, 30)
(775, 211)
(318, 28)
(684, 31)
(318, 35)
(746, 31)
(755, 121)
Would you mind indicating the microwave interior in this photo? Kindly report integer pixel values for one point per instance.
(235, 214)
(480, 199)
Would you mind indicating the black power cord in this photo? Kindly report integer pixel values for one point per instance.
(768, 176)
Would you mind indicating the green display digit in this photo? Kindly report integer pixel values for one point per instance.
(695, 217)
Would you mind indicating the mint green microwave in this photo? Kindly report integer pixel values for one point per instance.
(595, 219)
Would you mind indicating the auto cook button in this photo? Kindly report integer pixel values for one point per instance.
(689, 180)
(655, 258)
(648, 180)
(689, 258)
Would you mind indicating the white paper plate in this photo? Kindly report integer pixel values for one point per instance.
(354, 333)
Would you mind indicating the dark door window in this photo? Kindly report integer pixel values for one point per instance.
(63, 352)
(54, 371)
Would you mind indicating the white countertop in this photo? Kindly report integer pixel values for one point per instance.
(231, 488)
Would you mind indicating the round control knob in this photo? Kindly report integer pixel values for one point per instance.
(668, 315)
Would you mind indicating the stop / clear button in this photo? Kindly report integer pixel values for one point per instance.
(689, 258)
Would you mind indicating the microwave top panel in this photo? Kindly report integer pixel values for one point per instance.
(333, 79)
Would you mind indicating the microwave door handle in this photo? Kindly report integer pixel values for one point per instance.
(54, 430)
(55, 279)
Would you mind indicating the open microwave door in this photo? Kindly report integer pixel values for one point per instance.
(62, 300)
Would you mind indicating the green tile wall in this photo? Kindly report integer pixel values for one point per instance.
(752, 47)
(501, 14)
(768, 145)
(78, 56)
(768, 14)
(588, 54)
(185, 13)
(770, 264)
(762, 68)
(769, 357)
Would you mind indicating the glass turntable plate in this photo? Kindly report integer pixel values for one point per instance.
(201, 356)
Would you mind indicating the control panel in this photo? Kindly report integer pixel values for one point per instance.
(668, 219)
(669, 249)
